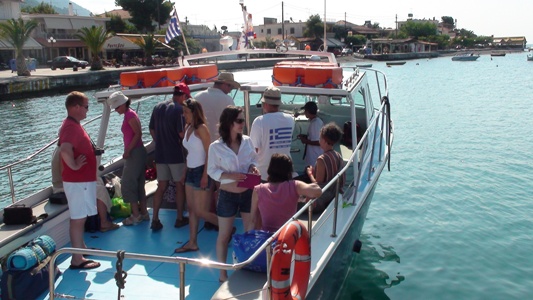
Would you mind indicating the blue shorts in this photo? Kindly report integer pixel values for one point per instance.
(230, 203)
(194, 177)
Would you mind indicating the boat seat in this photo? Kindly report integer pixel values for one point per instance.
(9, 233)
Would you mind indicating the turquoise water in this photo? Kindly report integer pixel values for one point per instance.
(452, 218)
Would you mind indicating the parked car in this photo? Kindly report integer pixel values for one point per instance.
(63, 62)
(346, 51)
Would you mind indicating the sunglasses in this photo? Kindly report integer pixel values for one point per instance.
(189, 104)
(178, 93)
(239, 121)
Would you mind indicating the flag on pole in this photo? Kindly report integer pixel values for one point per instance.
(173, 29)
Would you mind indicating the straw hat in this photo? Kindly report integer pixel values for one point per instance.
(116, 99)
(227, 78)
(272, 96)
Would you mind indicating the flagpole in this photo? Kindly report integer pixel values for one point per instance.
(182, 33)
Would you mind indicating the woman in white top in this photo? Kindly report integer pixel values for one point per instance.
(198, 185)
(231, 157)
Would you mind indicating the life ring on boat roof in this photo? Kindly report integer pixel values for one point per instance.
(294, 237)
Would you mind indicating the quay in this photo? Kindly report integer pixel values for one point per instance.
(44, 81)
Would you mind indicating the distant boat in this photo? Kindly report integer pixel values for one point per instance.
(529, 57)
(395, 63)
(497, 54)
(465, 57)
(364, 65)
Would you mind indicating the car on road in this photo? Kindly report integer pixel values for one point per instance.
(62, 62)
(346, 51)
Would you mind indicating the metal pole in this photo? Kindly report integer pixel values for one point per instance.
(325, 43)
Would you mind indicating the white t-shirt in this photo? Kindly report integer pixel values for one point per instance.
(213, 102)
(271, 133)
(313, 134)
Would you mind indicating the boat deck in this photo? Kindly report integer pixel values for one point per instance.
(145, 279)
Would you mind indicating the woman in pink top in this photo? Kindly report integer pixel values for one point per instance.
(275, 202)
(132, 181)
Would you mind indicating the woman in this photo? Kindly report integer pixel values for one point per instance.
(132, 181)
(275, 202)
(230, 158)
(198, 185)
(328, 164)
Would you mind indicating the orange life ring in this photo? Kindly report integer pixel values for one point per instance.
(293, 238)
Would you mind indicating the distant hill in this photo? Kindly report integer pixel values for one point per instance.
(61, 6)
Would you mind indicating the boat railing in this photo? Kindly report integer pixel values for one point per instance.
(9, 167)
(383, 116)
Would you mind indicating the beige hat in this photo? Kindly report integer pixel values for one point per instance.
(116, 99)
(227, 78)
(272, 96)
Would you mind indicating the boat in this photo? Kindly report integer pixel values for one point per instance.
(363, 65)
(530, 57)
(497, 54)
(355, 99)
(395, 63)
(465, 57)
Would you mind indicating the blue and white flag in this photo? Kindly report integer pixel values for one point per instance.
(173, 29)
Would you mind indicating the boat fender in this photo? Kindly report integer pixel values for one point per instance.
(357, 246)
(294, 237)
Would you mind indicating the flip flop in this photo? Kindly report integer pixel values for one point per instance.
(185, 250)
(86, 265)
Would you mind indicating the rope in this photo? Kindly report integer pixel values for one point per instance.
(385, 100)
(120, 275)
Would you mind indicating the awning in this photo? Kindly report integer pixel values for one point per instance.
(30, 44)
(80, 23)
(331, 42)
(120, 43)
(57, 23)
(61, 43)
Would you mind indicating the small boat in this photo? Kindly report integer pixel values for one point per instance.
(497, 54)
(395, 63)
(465, 57)
(364, 65)
(530, 57)
(343, 95)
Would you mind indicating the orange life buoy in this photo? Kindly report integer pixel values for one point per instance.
(293, 238)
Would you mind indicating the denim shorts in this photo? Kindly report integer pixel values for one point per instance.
(194, 177)
(229, 203)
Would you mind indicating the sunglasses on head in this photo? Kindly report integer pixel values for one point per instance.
(189, 104)
(239, 121)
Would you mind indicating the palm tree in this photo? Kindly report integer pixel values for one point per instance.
(94, 38)
(17, 32)
(147, 44)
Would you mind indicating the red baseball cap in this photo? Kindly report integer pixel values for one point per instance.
(182, 88)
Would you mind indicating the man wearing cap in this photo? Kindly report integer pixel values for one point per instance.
(272, 132)
(167, 127)
(311, 139)
(215, 99)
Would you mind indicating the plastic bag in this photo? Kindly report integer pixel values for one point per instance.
(244, 245)
(119, 209)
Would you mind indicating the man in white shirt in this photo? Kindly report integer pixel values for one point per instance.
(215, 99)
(311, 139)
(272, 132)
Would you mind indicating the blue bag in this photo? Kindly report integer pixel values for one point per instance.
(244, 245)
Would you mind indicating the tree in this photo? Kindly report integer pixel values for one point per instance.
(314, 27)
(17, 32)
(147, 44)
(419, 29)
(94, 38)
(448, 22)
(143, 12)
(42, 8)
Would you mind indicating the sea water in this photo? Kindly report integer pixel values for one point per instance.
(451, 220)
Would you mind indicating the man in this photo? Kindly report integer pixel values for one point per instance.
(311, 139)
(272, 132)
(79, 174)
(215, 99)
(167, 128)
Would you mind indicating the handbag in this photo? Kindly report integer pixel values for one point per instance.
(58, 198)
(244, 245)
(19, 214)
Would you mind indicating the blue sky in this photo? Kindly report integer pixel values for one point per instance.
(489, 17)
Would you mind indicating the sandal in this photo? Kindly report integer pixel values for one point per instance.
(113, 226)
(132, 220)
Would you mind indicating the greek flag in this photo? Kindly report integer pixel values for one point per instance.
(173, 29)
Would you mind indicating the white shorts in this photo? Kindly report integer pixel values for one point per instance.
(81, 197)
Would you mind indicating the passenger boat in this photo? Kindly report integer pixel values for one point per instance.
(465, 57)
(353, 98)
